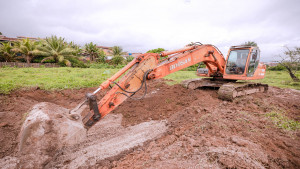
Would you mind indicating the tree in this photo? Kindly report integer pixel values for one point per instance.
(0, 33)
(57, 49)
(129, 59)
(6, 51)
(27, 48)
(250, 43)
(101, 56)
(92, 50)
(116, 60)
(158, 50)
(291, 61)
(117, 51)
(77, 48)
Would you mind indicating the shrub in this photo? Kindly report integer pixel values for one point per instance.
(276, 68)
(75, 62)
(129, 59)
(116, 60)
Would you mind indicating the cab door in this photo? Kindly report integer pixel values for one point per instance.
(253, 62)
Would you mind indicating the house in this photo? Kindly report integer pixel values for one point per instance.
(106, 50)
(7, 39)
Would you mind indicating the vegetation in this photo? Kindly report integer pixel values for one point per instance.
(282, 121)
(77, 48)
(92, 50)
(291, 62)
(178, 77)
(250, 43)
(117, 53)
(117, 60)
(57, 50)
(158, 50)
(129, 59)
(63, 78)
(279, 79)
(27, 49)
(105, 66)
(51, 78)
(6, 52)
(276, 68)
(101, 57)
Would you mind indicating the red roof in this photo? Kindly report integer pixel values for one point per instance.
(104, 47)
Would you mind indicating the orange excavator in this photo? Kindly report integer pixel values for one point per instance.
(242, 63)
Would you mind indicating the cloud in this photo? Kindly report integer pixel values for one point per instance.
(140, 25)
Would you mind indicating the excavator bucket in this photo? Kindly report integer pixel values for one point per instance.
(127, 87)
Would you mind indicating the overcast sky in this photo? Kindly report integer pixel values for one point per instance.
(140, 25)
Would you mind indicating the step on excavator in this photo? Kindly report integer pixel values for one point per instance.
(242, 63)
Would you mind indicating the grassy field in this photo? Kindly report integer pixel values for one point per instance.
(280, 79)
(51, 78)
(72, 78)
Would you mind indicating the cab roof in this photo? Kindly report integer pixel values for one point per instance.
(243, 47)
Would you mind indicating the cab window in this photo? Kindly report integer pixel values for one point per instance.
(253, 62)
(236, 62)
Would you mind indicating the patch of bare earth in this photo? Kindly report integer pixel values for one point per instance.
(203, 131)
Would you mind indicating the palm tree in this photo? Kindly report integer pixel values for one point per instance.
(77, 48)
(92, 50)
(250, 43)
(117, 51)
(57, 49)
(6, 52)
(27, 48)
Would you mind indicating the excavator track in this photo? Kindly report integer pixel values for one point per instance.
(230, 91)
(204, 82)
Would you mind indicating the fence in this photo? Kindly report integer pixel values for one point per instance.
(21, 64)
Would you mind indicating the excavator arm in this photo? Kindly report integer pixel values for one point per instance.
(133, 77)
(191, 55)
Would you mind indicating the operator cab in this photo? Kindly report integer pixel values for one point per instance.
(242, 60)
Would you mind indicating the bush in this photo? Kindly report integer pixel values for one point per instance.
(101, 59)
(75, 62)
(276, 68)
(129, 59)
(116, 60)
(158, 50)
(38, 59)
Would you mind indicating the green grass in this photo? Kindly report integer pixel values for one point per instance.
(74, 78)
(179, 76)
(273, 78)
(52, 78)
(280, 79)
(282, 121)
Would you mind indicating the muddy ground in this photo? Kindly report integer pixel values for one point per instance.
(203, 131)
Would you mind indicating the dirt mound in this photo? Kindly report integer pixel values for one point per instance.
(47, 129)
(203, 131)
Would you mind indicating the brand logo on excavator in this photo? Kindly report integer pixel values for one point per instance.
(180, 63)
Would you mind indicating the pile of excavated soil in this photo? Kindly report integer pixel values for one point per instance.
(203, 131)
